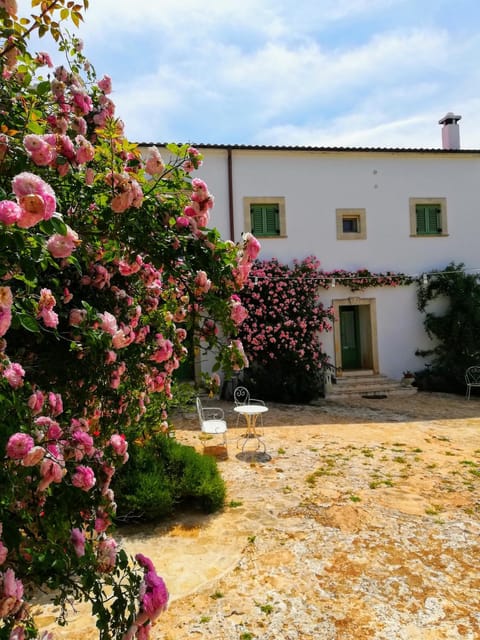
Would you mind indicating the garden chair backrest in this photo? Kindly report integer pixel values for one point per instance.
(241, 395)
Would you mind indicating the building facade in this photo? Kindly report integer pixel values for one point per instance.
(411, 211)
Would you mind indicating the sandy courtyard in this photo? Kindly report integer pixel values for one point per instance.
(363, 524)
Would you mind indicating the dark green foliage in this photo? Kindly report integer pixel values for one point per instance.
(289, 384)
(163, 474)
(456, 328)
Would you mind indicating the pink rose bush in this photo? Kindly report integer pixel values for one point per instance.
(285, 322)
(110, 277)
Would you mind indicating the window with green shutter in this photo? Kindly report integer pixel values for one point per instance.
(265, 219)
(429, 219)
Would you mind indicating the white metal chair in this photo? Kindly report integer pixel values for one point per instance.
(212, 423)
(472, 379)
(241, 395)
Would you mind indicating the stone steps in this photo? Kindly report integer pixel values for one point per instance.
(366, 384)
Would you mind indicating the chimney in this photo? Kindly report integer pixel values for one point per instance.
(450, 131)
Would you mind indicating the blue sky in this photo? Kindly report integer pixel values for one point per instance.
(368, 73)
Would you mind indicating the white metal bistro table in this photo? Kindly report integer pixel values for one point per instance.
(251, 413)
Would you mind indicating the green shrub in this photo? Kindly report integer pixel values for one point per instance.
(455, 329)
(162, 475)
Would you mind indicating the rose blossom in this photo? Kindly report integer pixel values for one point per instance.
(50, 471)
(34, 456)
(154, 164)
(35, 197)
(62, 246)
(109, 323)
(119, 444)
(76, 317)
(105, 84)
(49, 317)
(10, 6)
(10, 212)
(18, 445)
(14, 374)
(35, 402)
(77, 538)
(83, 478)
(3, 552)
(5, 319)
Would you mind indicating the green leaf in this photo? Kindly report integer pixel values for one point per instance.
(28, 323)
(34, 127)
(54, 225)
(43, 88)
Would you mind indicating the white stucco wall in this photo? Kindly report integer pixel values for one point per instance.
(315, 183)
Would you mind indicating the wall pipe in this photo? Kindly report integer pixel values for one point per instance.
(230, 194)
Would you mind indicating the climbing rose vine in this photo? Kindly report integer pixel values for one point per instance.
(109, 273)
(282, 332)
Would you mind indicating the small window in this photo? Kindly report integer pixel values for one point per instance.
(265, 216)
(351, 224)
(428, 217)
(265, 219)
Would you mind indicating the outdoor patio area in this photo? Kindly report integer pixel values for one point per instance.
(363, 524)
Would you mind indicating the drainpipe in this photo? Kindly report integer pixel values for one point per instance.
(230, 195)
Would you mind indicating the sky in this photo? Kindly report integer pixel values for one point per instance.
(349, 73)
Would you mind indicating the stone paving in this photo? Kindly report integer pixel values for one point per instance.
(363, 524)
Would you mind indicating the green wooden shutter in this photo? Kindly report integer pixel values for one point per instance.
(265, 219)
(256, 218)
(421, 219)
(429, 219)
(272, 226)
(434, 219)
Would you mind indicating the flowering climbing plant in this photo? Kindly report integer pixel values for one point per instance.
(363, 279)
(107, 265)
(282, 333)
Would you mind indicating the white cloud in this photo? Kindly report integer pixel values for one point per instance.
(272, 71)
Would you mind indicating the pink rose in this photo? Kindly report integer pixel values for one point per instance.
(35, 402)
(51, 472)
(119, 444)
(18, 445)
(83, 478)
(85, 151)
(49, 317)
(109, 323)
(251, 246)
(56, 403)
(14, 374)
(76, 317)
(43, 59)
(106, 554)
(35, 197)
(62, 246)
(34, 456)
(154, 164)
(77, 538)
(6, 298)
(5, 319)
(10, 212)
(105, 84)
(3, 552)
(10, 7)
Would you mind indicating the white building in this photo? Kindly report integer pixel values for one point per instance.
(401, 210)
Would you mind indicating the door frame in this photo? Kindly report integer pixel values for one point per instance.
(368, 330)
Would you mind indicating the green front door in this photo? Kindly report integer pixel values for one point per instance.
(350, 337)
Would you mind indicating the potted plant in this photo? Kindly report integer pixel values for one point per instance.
(408, 378)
